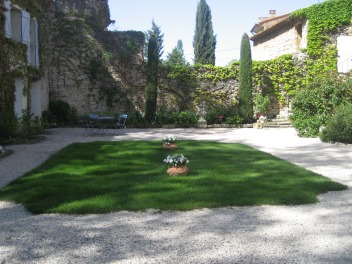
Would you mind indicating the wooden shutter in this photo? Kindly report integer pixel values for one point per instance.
(8, 32)
(26, 37)
(36, 43)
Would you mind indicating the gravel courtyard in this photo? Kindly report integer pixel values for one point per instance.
(318, 233)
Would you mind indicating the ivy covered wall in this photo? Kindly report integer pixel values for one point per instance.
(327, 21)
(89, 67)
(13, 64)
(99, 71)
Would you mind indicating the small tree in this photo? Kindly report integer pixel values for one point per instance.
(204, 42)
(245, 80)
(176, 57)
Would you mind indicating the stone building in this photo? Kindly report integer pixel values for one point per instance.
(279, 35)
(275, 36)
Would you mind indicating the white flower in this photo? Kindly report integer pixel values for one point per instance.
(176, 160)
(169, 139)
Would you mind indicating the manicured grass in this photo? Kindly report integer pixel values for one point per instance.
(102, 177)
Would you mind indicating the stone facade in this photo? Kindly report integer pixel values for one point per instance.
(287, 37)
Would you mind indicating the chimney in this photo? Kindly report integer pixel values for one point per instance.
(272, 13)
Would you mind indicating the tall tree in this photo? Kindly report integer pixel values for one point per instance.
(155, 30)
(204, 42)
(152, 78)
(245, 80)
(176, 57)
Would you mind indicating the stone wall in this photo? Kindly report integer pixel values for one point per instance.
(97, 71)
(98, 9)
(92, 69)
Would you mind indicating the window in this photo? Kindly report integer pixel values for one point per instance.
(299, 29)
(20, 27)
(15, 24)
(25, 33)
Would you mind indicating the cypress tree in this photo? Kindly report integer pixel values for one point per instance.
(155, 30)
(204, 42)
(245, 80)
(152, 79)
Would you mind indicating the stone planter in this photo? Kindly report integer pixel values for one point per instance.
(176, 171)
(169, 146)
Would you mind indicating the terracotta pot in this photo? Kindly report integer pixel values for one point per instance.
(176, 171)
(169, 146)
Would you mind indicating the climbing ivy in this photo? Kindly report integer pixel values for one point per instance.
(324, 20)
(13, 63)
(279, 76)
(216, 73)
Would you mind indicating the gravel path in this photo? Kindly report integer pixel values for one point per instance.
(318, 233)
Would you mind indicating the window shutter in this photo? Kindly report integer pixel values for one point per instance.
(26, 37)
(8, 32)
(36, 44)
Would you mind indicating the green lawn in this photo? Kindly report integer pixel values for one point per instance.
(102, 177)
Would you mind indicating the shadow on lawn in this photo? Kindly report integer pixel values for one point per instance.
(101, 177)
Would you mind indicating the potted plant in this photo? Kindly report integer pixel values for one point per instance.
(177, 165)
(169, 142)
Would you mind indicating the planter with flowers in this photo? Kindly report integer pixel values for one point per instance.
(177, 165)
(169, 142)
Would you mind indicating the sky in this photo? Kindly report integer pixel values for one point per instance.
(176, 19)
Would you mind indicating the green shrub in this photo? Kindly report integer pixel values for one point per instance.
(162, 117)
(234, 120)
(186, 118)
(60, 112)
(313, 105)
(14, 130)
(29, 125)
(8, 127)
(183, 118)
(227, 115)
(136, 119)
(339, 126)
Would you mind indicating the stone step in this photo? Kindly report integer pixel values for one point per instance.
(279, 123)
(278, 126)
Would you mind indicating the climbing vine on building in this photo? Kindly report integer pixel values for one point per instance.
(324, 20)
(279, 76)
(13, 64)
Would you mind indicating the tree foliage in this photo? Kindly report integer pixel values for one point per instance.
(176, 57)
(245, 80)
(204, 40)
